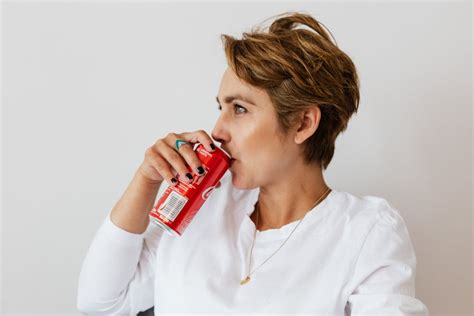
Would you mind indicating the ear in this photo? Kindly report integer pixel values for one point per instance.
(309, 122)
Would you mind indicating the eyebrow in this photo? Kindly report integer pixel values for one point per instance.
(231, 98)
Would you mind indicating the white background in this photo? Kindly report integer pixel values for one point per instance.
(87, 87)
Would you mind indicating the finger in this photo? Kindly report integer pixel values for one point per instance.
(192, 159)
(176, 160)
(199, 136)
(161, 166)
(186, 150)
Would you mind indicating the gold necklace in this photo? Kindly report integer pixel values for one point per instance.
(247, 279)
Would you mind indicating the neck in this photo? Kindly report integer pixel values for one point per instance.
(290, 198)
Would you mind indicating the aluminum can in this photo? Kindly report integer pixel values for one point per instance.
(179, 204)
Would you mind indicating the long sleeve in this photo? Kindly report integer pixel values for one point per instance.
(383, 280)
(117, 275)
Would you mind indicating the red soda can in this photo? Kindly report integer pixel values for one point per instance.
(179, 203)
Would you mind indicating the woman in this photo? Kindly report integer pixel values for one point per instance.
(274, 237)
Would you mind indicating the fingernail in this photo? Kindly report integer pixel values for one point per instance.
(190, 176)
(174, 181)
(200, 170)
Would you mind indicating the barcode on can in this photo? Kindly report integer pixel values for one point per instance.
(173, 204)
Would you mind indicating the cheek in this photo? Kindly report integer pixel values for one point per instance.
(270, 157)
(262, 159)
(258, 138)
(256, 144)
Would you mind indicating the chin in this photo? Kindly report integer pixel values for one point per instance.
(235, 182)
(238, 183)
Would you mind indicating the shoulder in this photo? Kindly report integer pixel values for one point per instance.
(383, 262)
(373, 234)
(367, 210)
(369, 215)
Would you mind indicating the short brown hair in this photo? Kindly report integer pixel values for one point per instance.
(299, 69)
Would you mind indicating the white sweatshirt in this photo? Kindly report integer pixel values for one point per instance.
(349, 256)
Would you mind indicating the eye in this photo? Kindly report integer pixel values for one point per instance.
(236, 106)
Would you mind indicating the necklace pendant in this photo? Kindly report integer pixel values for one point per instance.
(244, 281)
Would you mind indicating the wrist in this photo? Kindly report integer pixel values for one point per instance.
(145, 181)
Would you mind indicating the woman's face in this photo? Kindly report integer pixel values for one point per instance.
(248, 130)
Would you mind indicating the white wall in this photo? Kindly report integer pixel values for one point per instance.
(88, 87)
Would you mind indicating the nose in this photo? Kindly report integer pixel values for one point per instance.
(220, 133)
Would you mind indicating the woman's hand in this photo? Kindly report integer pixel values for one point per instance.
(163, 162)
